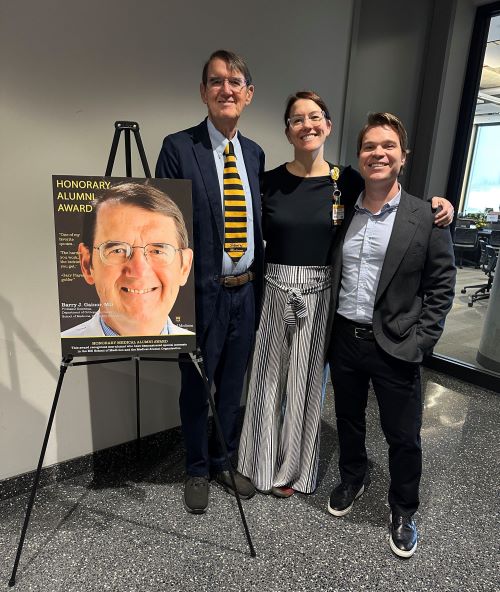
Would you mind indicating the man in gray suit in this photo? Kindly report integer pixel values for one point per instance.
(393, 285)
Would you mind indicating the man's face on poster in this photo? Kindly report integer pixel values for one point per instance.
(137, 293)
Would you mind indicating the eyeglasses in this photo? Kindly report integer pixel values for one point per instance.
(315, 117)
(236, 84)
(118, 253)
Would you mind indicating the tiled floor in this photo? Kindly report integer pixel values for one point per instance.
(131, 532)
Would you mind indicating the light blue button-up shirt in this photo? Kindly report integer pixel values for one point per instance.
(363, 256)
(219, 142)
(168, 329)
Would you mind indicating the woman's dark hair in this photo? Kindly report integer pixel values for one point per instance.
(305, 94)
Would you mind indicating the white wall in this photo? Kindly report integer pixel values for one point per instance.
(386, 65)
(452, 82)
(68, 71)
(409, 58)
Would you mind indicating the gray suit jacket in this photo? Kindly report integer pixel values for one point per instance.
(417, 282)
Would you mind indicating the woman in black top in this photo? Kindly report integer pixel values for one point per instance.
(280, 439)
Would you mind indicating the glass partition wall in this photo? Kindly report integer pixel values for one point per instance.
(470, 345)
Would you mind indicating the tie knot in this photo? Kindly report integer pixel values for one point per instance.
(229, 149)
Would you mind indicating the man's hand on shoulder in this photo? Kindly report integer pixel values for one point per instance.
(445, 211)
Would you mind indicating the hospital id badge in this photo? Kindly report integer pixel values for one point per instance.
(337, 214)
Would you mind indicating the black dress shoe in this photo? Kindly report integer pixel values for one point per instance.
(342, 498)
(243, 484)
(196, 495)
(403, 536)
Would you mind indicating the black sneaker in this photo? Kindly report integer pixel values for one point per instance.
(243, 484)
(342, 498)
(403, 536)
(196, 495)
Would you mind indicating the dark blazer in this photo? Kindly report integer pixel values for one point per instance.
(188, 155)
(416, 286)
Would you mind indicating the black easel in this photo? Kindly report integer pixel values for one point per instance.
(127, 127)
(196, 359)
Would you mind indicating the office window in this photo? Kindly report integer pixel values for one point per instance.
(471, 339)
(482, 192)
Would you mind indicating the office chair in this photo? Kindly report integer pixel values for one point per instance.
(464, 239)
(483, 262)
(484, 291)
(495, 240)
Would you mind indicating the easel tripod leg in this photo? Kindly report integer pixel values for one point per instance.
(197, 361)
(137, 405)
(62, 372)
(112, 153)
(142, 154)
(128, 154)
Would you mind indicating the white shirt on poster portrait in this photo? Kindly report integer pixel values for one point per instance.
(94, 328)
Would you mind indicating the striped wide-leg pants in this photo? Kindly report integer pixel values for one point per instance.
(279, 444)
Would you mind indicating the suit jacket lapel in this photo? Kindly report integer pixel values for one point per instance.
(203, 152)
(339, 240)
(337, 253)
(252, 166)
(405, 226)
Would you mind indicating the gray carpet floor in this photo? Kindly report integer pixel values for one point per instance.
(128, 531)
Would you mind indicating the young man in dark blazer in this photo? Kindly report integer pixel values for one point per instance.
(227, 291)
(394, 278)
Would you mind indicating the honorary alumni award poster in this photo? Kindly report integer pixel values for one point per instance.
(124, 265)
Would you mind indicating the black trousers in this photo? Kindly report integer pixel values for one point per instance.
(226, 348)
(354, 362)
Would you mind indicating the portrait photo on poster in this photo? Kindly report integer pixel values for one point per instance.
(124, 265)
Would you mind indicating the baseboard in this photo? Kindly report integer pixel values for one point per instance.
(153, 447)
(463, 371)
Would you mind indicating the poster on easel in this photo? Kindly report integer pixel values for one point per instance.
(124, 265)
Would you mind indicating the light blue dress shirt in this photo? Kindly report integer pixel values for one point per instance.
(168, 329)
(363, 255)
(219, 142)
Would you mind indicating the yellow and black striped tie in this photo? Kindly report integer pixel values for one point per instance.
(235, 210)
